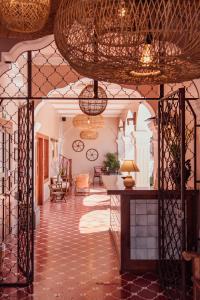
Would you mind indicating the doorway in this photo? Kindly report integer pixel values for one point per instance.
(42, 166)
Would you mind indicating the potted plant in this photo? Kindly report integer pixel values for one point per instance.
(111, 163)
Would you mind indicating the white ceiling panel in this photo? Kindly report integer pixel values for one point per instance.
(71, 107)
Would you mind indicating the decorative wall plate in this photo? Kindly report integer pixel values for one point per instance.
(92, 154)
(78, 145)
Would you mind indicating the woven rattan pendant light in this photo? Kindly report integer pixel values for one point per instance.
(82, 121)
(25, 15)
(89, 135)
(131, 41)
(95, 106)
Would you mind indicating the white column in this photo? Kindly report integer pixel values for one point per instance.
(154, 130)
(143, 158)
(129, 147)
(121, 146)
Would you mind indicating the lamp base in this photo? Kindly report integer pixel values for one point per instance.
(129, 182)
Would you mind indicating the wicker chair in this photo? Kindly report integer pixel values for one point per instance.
(82, 184)
(97, 174)
(58, 191)
(195, 258)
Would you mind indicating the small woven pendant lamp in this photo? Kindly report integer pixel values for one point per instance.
(82, 121)
(89, 135)
(95, 106)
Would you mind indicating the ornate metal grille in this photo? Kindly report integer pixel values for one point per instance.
(43, 75)
(16, 195)
(177, 174)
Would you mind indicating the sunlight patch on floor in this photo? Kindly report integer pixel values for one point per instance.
(98, 190)
(96, 200)
(95, 221)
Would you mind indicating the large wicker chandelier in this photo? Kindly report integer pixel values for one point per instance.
(95, 106)
(131, 41)
(25, 15)
(82, 121)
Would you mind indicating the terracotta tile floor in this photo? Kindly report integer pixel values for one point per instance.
(75, 259)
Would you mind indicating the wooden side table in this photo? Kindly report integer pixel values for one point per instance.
(58, 191)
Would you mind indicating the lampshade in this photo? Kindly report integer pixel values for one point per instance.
(129, 166)
(93, 107)
(89, 135)
(82, 121)
(25, 15)
(131, 41)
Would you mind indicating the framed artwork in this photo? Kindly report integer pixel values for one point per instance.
(54, 148)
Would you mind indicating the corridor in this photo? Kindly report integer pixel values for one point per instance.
(75, 258)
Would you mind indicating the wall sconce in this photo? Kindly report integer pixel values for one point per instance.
(122, 127)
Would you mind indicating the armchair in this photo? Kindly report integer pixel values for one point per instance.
(58, 189)
(97, 174)
(82, 184)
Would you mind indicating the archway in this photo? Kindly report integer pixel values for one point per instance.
(46, 81)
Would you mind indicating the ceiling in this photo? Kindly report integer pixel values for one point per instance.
(70, 108)
(115, 107)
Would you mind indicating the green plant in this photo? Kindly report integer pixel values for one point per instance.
(111, 163)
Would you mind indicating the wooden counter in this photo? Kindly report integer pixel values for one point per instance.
(133, 225)
(115, 186)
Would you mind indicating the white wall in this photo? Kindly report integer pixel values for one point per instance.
(106, 142)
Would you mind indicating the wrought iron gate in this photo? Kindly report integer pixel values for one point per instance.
(43, 75)
(16, 194)
(177, 175)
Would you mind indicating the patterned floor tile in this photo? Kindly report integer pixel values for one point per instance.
(75, 259)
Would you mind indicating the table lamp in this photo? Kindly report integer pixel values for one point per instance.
(129, 166)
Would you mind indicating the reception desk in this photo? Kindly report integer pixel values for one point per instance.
(134, 224)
